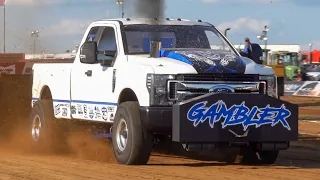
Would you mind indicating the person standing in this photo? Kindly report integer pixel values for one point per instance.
(253, 51)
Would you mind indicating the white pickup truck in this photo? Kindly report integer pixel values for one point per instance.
(173, 78)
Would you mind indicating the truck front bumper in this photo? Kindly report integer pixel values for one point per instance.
(157, 119)
(218, 118)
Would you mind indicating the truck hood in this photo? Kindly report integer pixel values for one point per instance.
(201, 61)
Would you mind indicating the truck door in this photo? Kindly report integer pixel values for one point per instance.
(92, 84)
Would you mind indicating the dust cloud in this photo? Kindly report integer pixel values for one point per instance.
(15, 128)
(145, 8)
(149, 8)
(78, 145)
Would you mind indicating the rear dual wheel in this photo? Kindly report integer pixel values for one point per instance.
(47, 133)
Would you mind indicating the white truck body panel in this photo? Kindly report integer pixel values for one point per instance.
(91, 96)
(56, 77)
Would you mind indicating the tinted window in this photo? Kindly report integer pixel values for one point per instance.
(173, 36)
(92, 34)
(107, 42)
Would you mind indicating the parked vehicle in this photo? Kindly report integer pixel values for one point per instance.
(311, 72)
(315, 57)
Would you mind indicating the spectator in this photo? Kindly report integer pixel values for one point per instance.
(253, 51)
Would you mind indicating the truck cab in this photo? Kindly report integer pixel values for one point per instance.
(286, 64)
(292, 64)
(173, 78)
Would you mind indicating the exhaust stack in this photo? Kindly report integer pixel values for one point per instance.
(155, 47)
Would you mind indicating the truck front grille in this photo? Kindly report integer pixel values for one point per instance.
(193, 85)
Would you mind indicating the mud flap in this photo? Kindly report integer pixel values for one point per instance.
(214, 118)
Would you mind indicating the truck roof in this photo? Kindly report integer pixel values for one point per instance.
(167, 21)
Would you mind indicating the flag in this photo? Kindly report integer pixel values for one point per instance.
(2, 2)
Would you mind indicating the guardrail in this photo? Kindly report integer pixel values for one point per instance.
(302, 88)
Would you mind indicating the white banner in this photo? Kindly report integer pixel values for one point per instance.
(8, 69)
(309, 88)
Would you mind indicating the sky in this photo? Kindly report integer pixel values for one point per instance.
(61, 23)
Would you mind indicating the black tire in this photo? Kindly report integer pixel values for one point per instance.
(250, 157)
(53, 132)
(139, 141)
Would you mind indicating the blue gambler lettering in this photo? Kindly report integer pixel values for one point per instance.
(238, 114)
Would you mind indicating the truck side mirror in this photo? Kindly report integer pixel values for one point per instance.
(88, 52)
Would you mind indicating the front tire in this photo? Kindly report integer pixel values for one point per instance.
(132, 143)
(47, 133)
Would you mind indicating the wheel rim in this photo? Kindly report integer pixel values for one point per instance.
(122, 134)
(36, 127)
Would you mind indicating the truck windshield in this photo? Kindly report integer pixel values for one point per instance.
(291, 59)
(174, 36)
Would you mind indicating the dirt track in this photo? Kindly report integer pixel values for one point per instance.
(94, 160)
(308, 106)
(297, 163)
(289, 166)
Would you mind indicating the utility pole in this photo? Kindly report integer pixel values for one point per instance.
(310, 53)
(121, 6)
(4, 26)
(264, 37)
(34, 35)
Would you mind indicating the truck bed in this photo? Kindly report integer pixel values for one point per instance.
(54, 75)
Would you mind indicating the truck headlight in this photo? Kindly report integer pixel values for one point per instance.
(157, 87)
(271, 86)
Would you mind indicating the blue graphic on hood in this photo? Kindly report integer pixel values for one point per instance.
(208, 60)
